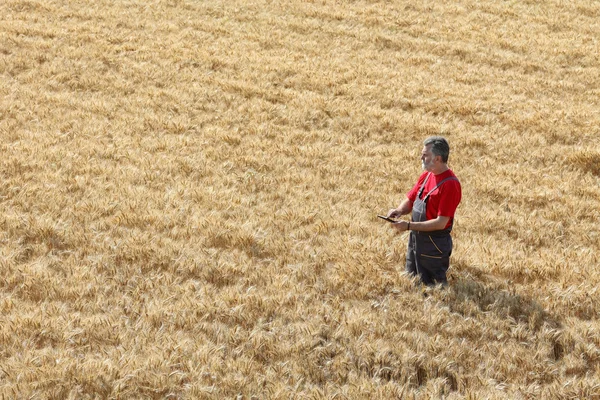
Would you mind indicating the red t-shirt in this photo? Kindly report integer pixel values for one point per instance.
(444, 200)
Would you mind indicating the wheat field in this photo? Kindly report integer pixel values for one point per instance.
(189, 191)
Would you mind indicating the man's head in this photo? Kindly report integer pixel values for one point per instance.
(439, 147)
(435, 153)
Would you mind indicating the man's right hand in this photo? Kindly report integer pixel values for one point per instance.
(403, 209)
(394, 213)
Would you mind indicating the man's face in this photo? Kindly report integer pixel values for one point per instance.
(427, 158)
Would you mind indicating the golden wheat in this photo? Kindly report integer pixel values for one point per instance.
(188, 196)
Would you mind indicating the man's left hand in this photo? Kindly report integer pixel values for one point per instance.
(401, 226)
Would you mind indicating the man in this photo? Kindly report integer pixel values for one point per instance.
(433, 201)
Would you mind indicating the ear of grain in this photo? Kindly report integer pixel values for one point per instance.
(189, 190)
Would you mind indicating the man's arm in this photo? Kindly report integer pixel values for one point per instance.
(426, 226)
(404, 208)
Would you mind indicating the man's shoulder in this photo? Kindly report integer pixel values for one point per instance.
(446, 175)
(451, 174)
(451, 179)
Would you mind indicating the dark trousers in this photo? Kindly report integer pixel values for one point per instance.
(428, 256)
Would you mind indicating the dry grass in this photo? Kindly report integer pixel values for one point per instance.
(189, 190)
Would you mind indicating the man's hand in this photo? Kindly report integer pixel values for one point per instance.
(401, 226)
(394, 213)
(404, 208)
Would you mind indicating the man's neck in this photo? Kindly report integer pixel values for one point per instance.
(440, 169)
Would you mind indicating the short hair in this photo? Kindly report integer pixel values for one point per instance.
(439, 147)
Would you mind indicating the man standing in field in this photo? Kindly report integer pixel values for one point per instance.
(432, 201)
